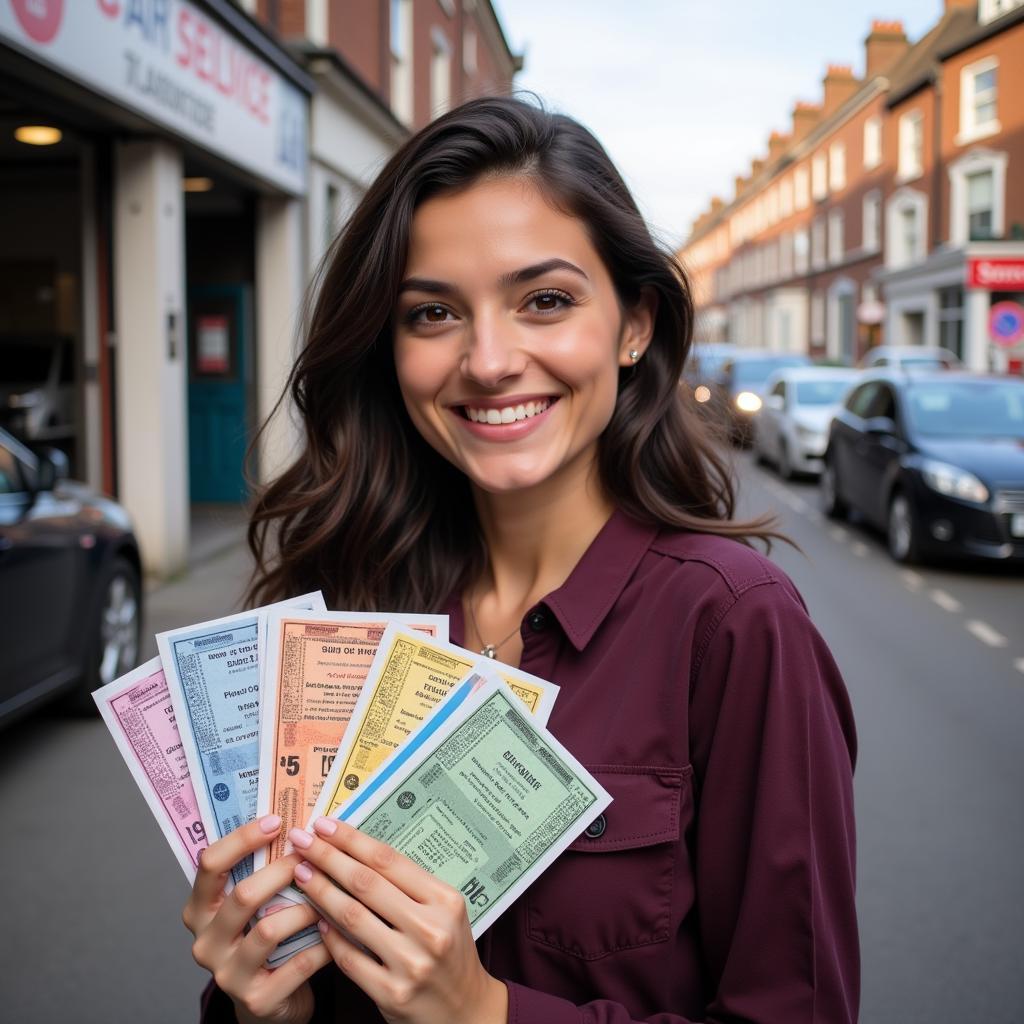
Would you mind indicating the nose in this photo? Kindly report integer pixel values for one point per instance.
(492, 353)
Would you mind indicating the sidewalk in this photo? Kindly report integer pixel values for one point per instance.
(214, 583)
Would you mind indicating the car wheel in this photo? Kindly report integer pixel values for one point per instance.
(785, 466)
(115, 632)
(831, 502)
(902, 532)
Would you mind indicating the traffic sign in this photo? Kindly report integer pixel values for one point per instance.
(1006, 323)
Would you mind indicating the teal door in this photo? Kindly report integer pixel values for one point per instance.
(220, 328)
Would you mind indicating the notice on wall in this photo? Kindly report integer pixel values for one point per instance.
(213, 340)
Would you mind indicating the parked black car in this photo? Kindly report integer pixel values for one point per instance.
(738, 392)
(936, 459)
(70, 584)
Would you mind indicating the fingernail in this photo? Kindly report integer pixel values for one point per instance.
(303, 872)
(270, 823)
(325, 826)
(303, 840)
(323, 926)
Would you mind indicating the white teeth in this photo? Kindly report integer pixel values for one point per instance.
(510, 414)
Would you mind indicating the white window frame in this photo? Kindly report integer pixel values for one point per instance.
(872, 143)
(977, 161)
(819, 176)
(907, 168)
(440, 72)
(989, 10)
(801, 188)
(801, 252)
(970, 130)
(401, 50)
(871, 214)
(901, 200)
(837, 167)
(469, 54)
(836, 237)
(817, 318)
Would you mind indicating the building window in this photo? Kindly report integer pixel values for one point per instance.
(989, 10)
(469, 63)
(772, 205)
(786, 197)
(978, 89)
(786, 256)
(906, 218)
(871, 213)
(800, 251)
(911, 156)
(401, 60)
(818, 243)
(837, 166)
(977, 199)
(951, 319)
(440, 73)
(819, 176)
(836, 242)
(801, 191)
(872, 143)
(817, 319)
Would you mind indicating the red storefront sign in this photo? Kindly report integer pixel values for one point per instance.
(996, 275)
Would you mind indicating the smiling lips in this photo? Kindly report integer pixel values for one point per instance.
(507, 413)
(504, 422)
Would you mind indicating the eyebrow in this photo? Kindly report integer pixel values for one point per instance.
(514, 277)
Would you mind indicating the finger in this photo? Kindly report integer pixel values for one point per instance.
(369, 975)
(349, 914)
(369, 887)
(241, 905)
(268, 933)
(220, 857)
(410, 878)
(284, 980)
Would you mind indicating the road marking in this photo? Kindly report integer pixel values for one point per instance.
(1019, 665)
(860, 549)
(912, 579)
(838, 533)
(945, 601)
(985, 633)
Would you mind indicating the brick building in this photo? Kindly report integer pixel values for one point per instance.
(866, 221)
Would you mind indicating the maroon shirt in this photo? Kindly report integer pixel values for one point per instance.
(719, 884)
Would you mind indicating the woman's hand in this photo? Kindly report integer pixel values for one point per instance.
(237, 960)
(415, 925)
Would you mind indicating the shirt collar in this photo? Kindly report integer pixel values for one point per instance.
(583, 602)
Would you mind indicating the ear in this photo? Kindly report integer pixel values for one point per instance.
(638, 327)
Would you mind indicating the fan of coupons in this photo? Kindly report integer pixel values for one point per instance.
(372, 718)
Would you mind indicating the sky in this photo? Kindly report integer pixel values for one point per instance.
(683, 93)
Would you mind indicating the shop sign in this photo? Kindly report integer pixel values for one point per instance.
(1006, 323)
(213, 338)
(177, 66)
(996, 275)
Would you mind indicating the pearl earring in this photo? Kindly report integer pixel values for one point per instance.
(634, 355)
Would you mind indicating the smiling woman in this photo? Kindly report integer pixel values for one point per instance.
(494, 429)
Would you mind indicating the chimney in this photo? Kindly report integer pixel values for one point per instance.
(885, 44)
(756, 167)
(741, 183)
(805, 117)
(777, 143)
(839, 85)
(716, 204)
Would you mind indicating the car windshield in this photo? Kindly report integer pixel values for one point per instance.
(821, 392)
(756, 371)
(923, 362)
(967, 408)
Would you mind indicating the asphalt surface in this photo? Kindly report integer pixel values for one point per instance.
(934, 660)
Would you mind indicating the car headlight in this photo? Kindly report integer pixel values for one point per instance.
(953, 481)
(747, 401)
(702, 393)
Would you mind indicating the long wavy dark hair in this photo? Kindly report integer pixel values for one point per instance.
(369, 512)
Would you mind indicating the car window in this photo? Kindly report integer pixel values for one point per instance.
(967, 409)
(860, 400)
(820, 392)
(779, 388)
(883, 403)
(10, 475)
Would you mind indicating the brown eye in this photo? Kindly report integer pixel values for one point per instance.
(435, 314)
(549, 301)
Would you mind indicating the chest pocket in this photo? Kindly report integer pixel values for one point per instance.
(611, 890)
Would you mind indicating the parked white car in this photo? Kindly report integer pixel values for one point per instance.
(791, 428)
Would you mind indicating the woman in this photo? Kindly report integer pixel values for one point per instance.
(493, 428)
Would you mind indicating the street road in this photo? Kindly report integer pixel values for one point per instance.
(934, 659)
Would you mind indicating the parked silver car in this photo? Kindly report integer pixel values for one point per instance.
(911, 357)
(791, 427)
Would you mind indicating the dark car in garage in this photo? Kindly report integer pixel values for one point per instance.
(70, 584)
(935, 459)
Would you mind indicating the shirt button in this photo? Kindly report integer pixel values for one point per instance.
(596, 828)
(537, 621)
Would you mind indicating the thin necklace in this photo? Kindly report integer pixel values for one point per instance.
(488, 650)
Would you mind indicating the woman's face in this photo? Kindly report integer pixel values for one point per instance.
(509, 335)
